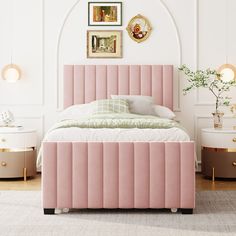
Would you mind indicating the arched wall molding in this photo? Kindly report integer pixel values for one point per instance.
(174, 23)
(71, 9)
(179, 42)
(58, 49)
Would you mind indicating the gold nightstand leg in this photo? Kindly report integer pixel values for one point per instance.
(25, 174)
(213, 174)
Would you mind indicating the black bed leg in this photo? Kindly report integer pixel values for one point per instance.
(187, 211)
(49, 211)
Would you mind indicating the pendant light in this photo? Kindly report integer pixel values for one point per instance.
(11, 72)
(228, 71)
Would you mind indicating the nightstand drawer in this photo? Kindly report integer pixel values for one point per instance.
(223, 162)
(12, 164)
(19, 140)
(219, 140)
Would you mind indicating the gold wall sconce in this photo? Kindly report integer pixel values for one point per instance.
(11, 73)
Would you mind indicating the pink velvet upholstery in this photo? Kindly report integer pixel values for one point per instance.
(86, 83)
(118, 175)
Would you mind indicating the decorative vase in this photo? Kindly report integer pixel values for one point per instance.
(7, 118)
(218, 119)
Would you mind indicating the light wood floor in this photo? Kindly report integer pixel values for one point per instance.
(202, 184)
(33, 183)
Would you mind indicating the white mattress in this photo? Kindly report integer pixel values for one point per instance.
(113, 135)
(117, 135)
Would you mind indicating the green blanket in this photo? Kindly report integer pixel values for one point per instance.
(119, 120)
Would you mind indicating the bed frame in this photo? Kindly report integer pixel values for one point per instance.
(118, 174)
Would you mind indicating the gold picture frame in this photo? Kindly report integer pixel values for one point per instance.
(104, 44)
(139, 28)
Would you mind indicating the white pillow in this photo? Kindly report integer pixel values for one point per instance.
(164, 112)
(76, 111)
(138, 104)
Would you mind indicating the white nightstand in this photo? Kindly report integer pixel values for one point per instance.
(219, 153)
(17, 153)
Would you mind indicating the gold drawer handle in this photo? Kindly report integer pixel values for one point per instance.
(234, 163)
(3, 140)
(4, 163)
(234, 140)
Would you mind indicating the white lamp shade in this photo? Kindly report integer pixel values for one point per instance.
(11, 73)
(228, 72)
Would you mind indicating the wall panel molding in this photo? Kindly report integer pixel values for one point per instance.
(43, 53)
(198, 102)
(196, 45)
(42, 67)
(196, 34)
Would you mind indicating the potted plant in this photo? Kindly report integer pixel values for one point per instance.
(212, 80)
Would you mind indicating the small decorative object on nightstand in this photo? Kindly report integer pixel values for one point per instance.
(7, 118)
(17, 153)
(219, 153)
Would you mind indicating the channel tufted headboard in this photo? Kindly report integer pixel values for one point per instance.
(86, 83)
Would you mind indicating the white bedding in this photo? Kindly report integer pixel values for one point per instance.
(77, 123)
(113, 135)
(135, 134)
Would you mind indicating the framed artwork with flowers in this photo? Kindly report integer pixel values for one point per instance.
(139, 28)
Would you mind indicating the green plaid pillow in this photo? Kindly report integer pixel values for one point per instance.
(110, 106)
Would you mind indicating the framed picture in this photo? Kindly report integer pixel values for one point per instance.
(104, 44)
(139, 28)
(105, 13)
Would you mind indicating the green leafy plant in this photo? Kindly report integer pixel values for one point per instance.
(210, 79)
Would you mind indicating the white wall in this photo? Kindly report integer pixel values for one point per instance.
(48, 34)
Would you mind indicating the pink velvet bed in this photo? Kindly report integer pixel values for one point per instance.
(118, 174)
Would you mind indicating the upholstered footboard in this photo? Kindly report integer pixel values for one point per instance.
(118, 175)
